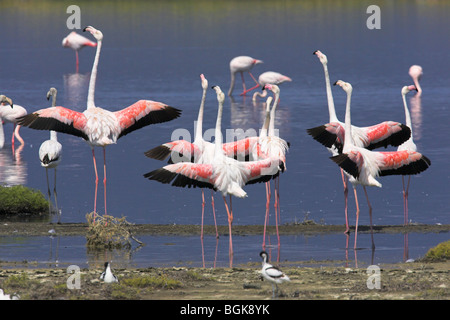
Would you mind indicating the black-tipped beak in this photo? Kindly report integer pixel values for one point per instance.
(213, 87)
(335, 83)
(315, 52)
(84, 29)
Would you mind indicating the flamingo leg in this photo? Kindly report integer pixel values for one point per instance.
(357, 216)
(277, 207)
(56, 201)
(370, 215)
(214, 213)
(17, 135)
(203, 213)
(104, 175)
(96, 183)
(48, 191)
(248, 90)
(266, 219)
(77, 61)
(230, 221)
(344, 182)
(405, 199)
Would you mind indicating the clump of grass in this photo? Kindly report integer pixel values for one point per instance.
(108, 232)
(439, 253)
(22, 200)
(151, 281)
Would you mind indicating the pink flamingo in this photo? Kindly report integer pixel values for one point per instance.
(363, 166)
(242, 64)
(269, 77)
(10, 115)
(332, 134)
(408, 145)
(200, 151)
(416, 73)
(99, 127)
(223, 173)
(77, 42)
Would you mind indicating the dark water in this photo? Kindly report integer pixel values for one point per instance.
(157, 50)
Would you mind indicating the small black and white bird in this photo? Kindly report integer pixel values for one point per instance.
(107, 275)
(274, 275)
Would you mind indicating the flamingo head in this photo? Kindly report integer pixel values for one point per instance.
(204, 82)
(51, 92)
(272, 87)
(256, 61)
(407, 89)
(4, 100)
(344, 85)
(415, 71)
(96, 33)
(321, 56)
(220, 94)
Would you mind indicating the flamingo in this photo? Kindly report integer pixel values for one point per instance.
(269, 77)
(332, 134)
(407, 145)
(10, 115)
(100, 127)
(50, 154)
(272, 146)
(242, 64)
(416, 72)
(200, 151)
(273, 274)
(223, 174)
(363, 166)
(77, 42)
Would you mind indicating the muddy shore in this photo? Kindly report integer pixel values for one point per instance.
(412, 281)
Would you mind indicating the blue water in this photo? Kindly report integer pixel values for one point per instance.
(158, 50)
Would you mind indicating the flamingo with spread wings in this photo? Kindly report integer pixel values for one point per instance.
(363, 166)
(99, 127)
(222, 173)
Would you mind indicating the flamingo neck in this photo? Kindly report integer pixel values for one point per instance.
(218, 131)
(407, 114)
(91, 92)
(272, 115)
(331, 108)
(199, 125)
(265, 126)
(53, 135)
(348, 121)
(233, 79)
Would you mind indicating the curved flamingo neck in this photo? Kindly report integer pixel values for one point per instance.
(331, 108)
(348, 121)
(91, 92)
(199, 126)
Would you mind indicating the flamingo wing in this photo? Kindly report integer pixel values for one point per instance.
(403, 163)
(350, 162)
(387, 133)
(241, 149)
(263, 170)
(184, 174)
(180, 151)
(143, 113)
(58, 119)
(330, 135)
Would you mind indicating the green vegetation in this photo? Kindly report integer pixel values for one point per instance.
(439, 253)
(22, 200)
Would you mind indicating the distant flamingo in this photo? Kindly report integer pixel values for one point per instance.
(269, 77)
(223, 173)
(10, 115)
(77, 42)
(416, 73)
(100, 127)
(363, 166)
(200, 151)
(409, 145)
(332, 134)
(50, 154)
(242, 64)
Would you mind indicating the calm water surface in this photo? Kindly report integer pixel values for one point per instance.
(157, 51)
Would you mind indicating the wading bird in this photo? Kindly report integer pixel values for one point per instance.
(416, 72)
(363, 166)
(107, 275)
(11, 115)
(240, 65)
(50, 154)
(269, 77)
(77, 42)
(223, 174)
(272, 274)
(332, 134)
(100, 127)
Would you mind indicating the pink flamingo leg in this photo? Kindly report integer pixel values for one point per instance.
(230, 221)
(344, 181)
(214, 213)
(203, 213)
(77, 61)
(370, 216)
(266, 219)
(405, 200)
(357, 216)
(96, 183)
(277, 207)
(104, 174)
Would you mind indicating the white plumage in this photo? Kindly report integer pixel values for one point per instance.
(107, 275)
(272, 274)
